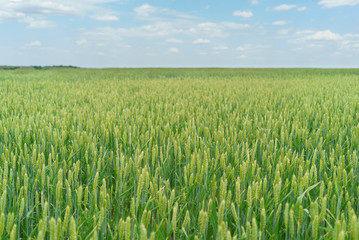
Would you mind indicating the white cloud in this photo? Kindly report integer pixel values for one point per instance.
(220, 48)
(105, 18)
(310, 45)
(217, 30)
(284, 31)
(35, 12)
(325, 38)
(233, 25)
(167, 30)
(32, 23)
(174, 50)
(201, 41)
(207, 25)
(349, 42)
(279, 23)
(254, 2)
(244, 14)
(304, 32)
(35, 44)
(81, 43)
(155, 30)
(302, 8)
(253, 47)
(325, 35)
(284, 7)
(242, 56)
(7, 14)
(338, 3)
(147, 11)
(174, 30)
(174, 40)
(44, 8)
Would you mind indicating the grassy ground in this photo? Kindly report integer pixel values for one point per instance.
(179, 154)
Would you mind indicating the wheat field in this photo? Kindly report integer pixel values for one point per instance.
(179, 154)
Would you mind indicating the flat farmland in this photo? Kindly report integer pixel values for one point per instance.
(179, 154)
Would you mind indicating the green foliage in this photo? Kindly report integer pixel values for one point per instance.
(179, 154)
(8, 68)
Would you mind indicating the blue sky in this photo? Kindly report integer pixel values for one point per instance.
(180, 33)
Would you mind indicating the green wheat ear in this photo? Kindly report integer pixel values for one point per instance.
(143, 232)
(2, 224)
(13, 233)
(9, 222)
(52, 229)
(174, 218)
(72, 229)
(128, 229)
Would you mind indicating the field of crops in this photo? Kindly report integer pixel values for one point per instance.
(179, 154)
